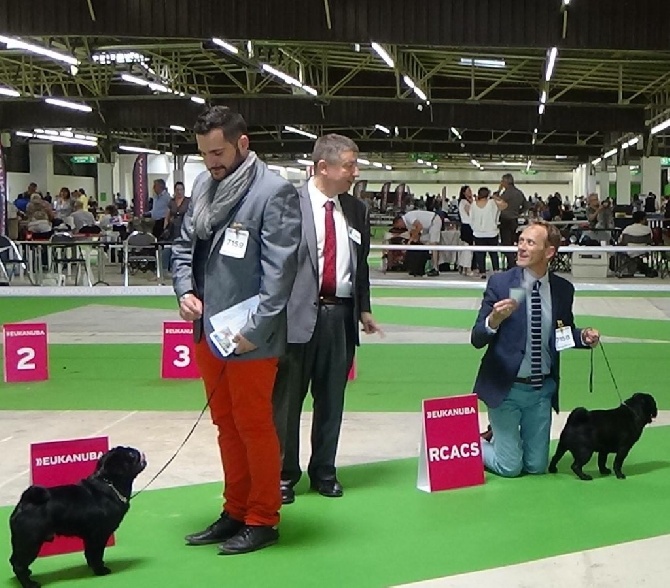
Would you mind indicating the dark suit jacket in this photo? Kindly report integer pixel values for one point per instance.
(506, 348)
(303, 304)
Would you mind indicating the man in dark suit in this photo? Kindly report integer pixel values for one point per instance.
(330, 296)
(525, 320)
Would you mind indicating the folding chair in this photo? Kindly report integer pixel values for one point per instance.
(65, 253)
(10, 257)
(140, 253)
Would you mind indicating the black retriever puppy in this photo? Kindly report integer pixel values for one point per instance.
(603, 432)
(92, 510)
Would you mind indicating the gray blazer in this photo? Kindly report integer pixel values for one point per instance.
(270, 212)
(303, 305)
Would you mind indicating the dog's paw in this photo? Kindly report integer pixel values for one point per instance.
(605, 471)
(102, 571)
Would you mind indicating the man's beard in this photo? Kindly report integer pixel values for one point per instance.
(239, 159)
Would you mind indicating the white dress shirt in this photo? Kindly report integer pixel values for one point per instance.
(343, 263)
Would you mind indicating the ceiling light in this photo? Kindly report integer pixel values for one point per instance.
(540, 110)
(535, 131)
(609, 153)
(456, 133)
(630, 143)
(106, 58)
(410, 82)
(178, 128)
(388, 167)
(553, 52)
(383, 54)
(383, 128)
(13, 43)
(44, 136)
(363, 161)
(298, 131)
(543, 97)
(566, 2)
(491, 63)
(561, 156)
(660, 127)
(357, 47)
(304, 162)
(288, 79)
(377, 164)
(9, 92)
(197, 99)
(419, 160)
(70, 105)
(528, 165)
(597, 160)
(134, 149)
(225, 45)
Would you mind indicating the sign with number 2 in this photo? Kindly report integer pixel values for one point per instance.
(26, 356)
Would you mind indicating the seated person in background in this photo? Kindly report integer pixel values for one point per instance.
(638, 234)
(415, 259)
(110, 217)
(81, 217)
(40, 225)
(431, 227)
(394, 260)
(37, 204)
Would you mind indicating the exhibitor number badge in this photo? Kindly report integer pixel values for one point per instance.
(234, 243)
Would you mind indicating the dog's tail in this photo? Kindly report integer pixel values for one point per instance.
(35, 495)
(579, 416)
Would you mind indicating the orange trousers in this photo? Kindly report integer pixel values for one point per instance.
(240, 404)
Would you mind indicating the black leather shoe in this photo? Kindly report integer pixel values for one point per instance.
(287, 492)
(250, 538)
(220, 530)
(329, 487)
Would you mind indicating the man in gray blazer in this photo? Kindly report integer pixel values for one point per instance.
(331, 295)
(238, 244)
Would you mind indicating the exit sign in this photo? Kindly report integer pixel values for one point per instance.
(84, 159)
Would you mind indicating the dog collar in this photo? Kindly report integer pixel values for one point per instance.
(120, 496)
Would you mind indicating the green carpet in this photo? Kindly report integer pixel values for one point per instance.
(384, 531)
(126, 377)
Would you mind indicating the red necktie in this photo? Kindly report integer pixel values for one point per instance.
(329, 282)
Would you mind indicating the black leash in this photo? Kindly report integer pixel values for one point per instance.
(609, 368)
(188, 436)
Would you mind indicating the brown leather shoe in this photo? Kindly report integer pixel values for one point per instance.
(488, 434)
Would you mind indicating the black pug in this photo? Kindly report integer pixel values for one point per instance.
(603, 432)
(92, 510)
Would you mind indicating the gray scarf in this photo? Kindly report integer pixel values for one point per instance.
(212, 204)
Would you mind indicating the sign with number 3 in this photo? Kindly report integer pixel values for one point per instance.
(178, 361)
(26, 355)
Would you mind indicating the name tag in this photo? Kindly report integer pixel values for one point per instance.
(355, 236)
(234, 243)
(564, 339)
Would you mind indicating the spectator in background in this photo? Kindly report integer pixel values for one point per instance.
(555, 203)
(110, 217)
(465, 258)
(516, 205)
(81, 217)
(650, 204)
(63, 205)
(484, 215)
(567, 214)
(23, 200)
(159, 210)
